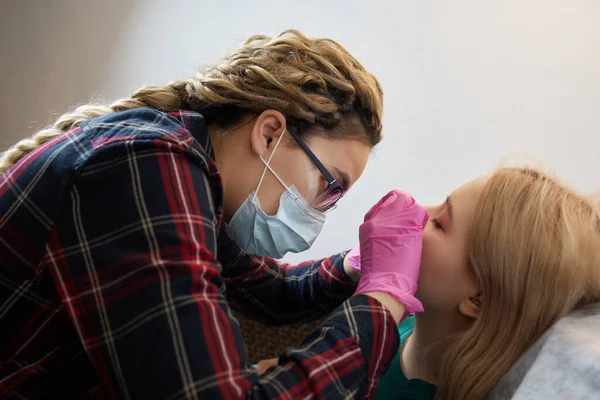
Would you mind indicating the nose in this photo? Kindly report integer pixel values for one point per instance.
(432, 210)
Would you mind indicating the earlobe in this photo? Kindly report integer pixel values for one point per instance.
(267, 129)
(470, 307)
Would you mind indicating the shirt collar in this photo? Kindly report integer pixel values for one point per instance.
(194, 122)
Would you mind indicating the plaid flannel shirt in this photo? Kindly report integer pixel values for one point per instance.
(117, 277)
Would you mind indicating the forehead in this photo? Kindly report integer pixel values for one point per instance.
(464, 199)
(347, 155)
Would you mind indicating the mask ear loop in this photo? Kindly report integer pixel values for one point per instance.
(268, 167)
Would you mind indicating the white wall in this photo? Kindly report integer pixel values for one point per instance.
(466, 82)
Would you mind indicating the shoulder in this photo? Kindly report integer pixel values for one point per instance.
(406, 327)
(144, 129)
(136, 124)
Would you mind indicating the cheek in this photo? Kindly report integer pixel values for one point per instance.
(433, 258)
(289, 167)
(296, 169)
(441, 270)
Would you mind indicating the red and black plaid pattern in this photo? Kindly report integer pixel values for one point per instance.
(116, 279)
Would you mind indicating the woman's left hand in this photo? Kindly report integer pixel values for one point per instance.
(352, 264)
(353, 259)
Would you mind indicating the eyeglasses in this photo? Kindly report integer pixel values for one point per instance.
(327, 200)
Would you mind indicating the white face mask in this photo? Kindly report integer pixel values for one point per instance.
(294, 228)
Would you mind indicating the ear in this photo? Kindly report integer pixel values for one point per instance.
(470, 307)
(267, 129)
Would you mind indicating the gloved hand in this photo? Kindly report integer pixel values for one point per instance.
(391, 240)
(353, 258)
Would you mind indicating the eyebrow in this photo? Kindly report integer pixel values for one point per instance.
(345, 179)
(449, 205)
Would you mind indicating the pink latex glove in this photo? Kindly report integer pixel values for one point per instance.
(391, 240)
(353, 258)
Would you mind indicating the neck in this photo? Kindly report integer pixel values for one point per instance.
(234, 160)
(225, 161)
(217, 140)
(430, 327)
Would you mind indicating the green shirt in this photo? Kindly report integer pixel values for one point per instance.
(393, 384)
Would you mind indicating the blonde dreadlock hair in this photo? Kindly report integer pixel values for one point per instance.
(313, 82)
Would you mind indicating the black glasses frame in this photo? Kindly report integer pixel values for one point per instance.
(332, 183)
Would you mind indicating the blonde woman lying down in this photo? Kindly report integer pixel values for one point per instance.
(504, 257)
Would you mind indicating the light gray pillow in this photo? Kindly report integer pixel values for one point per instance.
(563, 364)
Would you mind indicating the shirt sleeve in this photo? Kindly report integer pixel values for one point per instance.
(134, 260)
(275, 293)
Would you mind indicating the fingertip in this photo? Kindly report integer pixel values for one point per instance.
(426, 217)
(390, 198)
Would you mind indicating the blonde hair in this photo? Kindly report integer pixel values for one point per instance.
(313, 82)
(535, 254)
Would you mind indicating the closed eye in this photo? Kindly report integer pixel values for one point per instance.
(435, 223)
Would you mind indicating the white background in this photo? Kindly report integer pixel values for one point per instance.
(466, 82)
